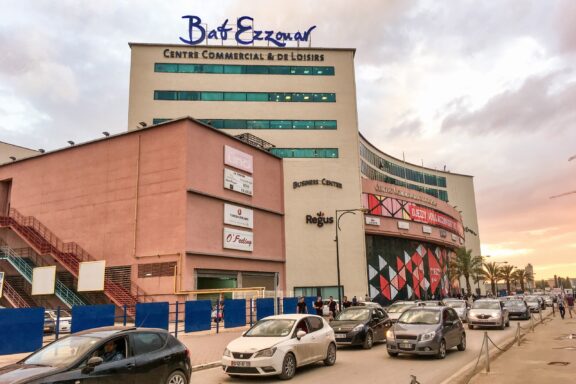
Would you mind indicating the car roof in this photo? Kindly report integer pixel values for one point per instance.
(294, 316)
(104, 332)
(431, 308)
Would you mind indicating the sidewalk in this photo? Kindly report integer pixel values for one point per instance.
(530, 362)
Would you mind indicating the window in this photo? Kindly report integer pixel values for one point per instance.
(246, 96)
(256, 96)
(165, 95)
(158, 121)
(243, 69)
(266, 124)
(146, 342)
(234, 96)
(160, 67)
(256, 69)
(305, 152)
(315, 323)
(212, 96)
(234, 69)
(188, 95)
(211, 68)
(156, 269)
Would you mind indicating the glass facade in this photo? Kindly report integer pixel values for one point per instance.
(244, 69)
(303, 153)
(263, 124)
(299, 97)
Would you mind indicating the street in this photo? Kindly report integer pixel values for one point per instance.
(375, 366)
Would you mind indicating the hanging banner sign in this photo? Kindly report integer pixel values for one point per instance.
(239, 216)
(1, 283)
(238, 182)
(245, 33)
(238, 159)
(240, 240)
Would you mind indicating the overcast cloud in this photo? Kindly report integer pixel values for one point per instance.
(486, 88)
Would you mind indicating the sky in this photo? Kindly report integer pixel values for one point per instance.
(485, 88)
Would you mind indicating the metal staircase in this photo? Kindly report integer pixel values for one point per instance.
(69, 255)
(25, 268)
(13, 297)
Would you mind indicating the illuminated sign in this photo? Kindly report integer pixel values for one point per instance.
(245, 33)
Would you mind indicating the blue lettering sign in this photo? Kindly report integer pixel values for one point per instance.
(245, 33)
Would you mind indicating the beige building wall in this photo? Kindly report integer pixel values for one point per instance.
(8, 150)
(310, 250)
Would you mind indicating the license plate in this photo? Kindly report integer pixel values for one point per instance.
(240, 363)
(340, 335)
(405, 345)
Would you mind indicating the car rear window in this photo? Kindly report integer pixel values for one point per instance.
(147, 342)
(315, 323)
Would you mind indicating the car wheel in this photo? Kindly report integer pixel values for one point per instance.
(368, 341)
(393, 354)
(288, 367)
(330, 355)
(177, 377)
(441, 350)
(470, 326)
(462, 345)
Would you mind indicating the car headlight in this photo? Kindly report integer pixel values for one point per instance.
(358, 328)
(266, 352)
(495, 315)
(390, 335)
(427, 336)
(227, 353)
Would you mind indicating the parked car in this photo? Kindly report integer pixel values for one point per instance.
(426, 331)
(395, 310)
(430, 303)
(517, 308)
(460, 306)
(360, 325)
(370, 304)
(49, 323)
(64, 322)
(277, 345)
(533, 303)
(488, 313)
(548, 300)
(106, 355)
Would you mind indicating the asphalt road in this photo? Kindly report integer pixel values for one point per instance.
(355, 365)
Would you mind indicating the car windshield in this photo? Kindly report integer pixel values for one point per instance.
(399, 307)
(486, 305)
(420, 317)
(514, 303)
(271, 328)
(354, 314)
(62, 352)
(456, 304)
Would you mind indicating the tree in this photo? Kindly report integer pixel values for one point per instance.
(556, 285)
(464, 264)
(542, 284)
(567, 283)
(520, 276)
(507, 273)
(492, 273)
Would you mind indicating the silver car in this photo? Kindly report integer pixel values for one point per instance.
(396, 310)
(488, 313)
(426, 331)
(460, 306)
(533, 303)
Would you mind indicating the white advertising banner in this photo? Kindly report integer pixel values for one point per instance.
(1, 283)
(91, 276)
(43, 280)
(238, 159)
(370, 220)
(403, 225)
(240, 240)
(427, 229)
(239, 216)
(238, 182)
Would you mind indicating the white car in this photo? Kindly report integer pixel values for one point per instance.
(277, 345)
(65, 324)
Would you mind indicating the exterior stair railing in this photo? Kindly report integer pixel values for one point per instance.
(64, 293)
(13, 297)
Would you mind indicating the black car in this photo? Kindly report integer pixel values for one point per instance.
(362, 325)
(106, 355)
(517, 308)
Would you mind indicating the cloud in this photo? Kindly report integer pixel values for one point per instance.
(542, 103)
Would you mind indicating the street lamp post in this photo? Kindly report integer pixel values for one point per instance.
(339, 214)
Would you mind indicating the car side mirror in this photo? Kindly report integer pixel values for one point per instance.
(300, 334)
(92, 363)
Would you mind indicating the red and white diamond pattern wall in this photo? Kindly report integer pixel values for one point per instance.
(400, 269)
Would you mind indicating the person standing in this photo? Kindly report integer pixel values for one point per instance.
(301, 306)
(367, 298)
(570, 304)
(332, 307)
(354, 301)
(561, 307)
(318, 306)
(346, 303)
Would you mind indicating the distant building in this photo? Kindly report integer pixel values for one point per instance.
(17, 152)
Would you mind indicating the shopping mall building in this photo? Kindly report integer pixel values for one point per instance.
(294, 111)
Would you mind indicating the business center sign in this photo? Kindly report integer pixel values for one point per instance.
(245, 33)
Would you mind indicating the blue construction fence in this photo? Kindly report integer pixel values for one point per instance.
(26, 329)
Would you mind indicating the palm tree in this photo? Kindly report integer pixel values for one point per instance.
(492, 272)
(507, 274)
(464, 264)
(520, 275)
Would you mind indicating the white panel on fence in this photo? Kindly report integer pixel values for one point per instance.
(43, 280)
(1, 283)
(91, 276)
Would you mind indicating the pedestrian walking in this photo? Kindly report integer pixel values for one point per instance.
(346, 303)
(332, 307)
(570, 304)
(561, 308)
(301, 306)
(354, 301)
(319, 305)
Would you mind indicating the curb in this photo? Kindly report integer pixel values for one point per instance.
(467, 371)
(202, 367)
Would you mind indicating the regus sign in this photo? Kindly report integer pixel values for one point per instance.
(245, 33)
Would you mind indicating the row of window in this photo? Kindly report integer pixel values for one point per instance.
(372, 174)
(305, 152)
(400, 171)
(264, 124)
(295, 97)
(243, 69)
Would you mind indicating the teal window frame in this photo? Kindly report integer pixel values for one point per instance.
(306, 153)
(234, 69)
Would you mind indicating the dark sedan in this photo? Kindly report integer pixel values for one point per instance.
(361, 326)
(517, 308)
(106, 355)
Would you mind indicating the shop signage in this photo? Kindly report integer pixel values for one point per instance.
(406, 194)
(240, 240)
(245, 33)
(454, 237)
(370, 220)
(238, 159)
(239, 216)
(430, 216)
(326, 182)
(443, 233)
(238, 182)
(403, 225)
(320, 219)
(427, 229)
